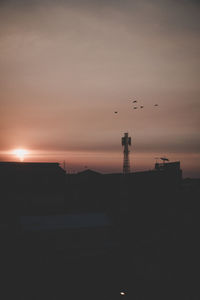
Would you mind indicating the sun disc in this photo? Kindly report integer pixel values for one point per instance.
(20, 153)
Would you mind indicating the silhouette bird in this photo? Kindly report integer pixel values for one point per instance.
(135, 101)
(135, 107)
(141, 106)
(155, 104)
(116, 112)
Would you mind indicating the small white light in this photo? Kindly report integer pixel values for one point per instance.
(122, 293)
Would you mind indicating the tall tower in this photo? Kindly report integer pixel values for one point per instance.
(126, 142)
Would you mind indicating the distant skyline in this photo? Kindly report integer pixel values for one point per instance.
(66, 67)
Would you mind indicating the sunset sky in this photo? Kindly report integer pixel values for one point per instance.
(67, 66)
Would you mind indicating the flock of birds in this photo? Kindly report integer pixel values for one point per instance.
(136, 106)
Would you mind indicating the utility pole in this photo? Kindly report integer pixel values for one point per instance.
(126, 142)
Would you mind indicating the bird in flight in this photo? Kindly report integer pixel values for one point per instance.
(155, 104)
(116, 112)
(135, 101)
(135, 107)
(141, 106)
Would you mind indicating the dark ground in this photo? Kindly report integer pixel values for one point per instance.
(158, 258)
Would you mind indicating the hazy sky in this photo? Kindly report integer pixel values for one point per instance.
(66, 66)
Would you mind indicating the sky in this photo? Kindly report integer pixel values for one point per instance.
(67, 66)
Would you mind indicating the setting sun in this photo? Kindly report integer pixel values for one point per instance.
(20, 153)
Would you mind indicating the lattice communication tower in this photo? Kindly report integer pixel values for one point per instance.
(126, 142)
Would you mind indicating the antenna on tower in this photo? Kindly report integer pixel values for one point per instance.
(164, 159)
(126, 142)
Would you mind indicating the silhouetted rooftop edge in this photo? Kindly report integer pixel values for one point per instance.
(89, 172)
(9, 163)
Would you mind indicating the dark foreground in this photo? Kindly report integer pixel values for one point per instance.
(152, 269)
(156, 258)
